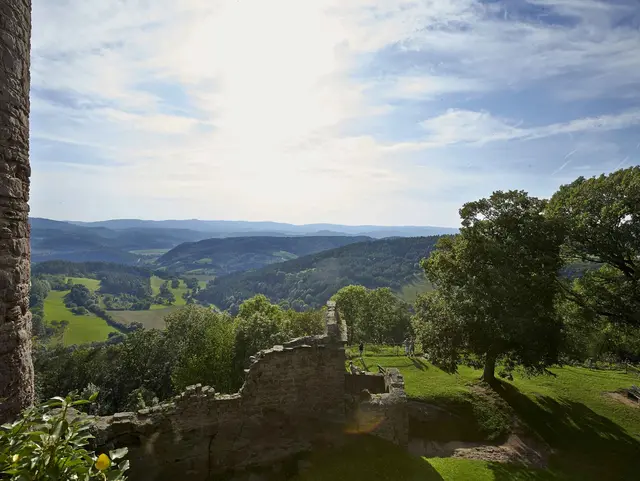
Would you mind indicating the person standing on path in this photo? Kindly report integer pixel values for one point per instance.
(361, 347)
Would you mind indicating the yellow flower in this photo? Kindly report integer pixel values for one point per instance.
(15, 458)
(103, 462)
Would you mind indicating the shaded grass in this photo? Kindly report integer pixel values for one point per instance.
(365, 458)
(592, 436)
(81, 329)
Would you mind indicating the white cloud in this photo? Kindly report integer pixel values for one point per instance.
(456, 126)
(297, 110)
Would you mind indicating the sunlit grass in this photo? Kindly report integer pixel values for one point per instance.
(81, 329)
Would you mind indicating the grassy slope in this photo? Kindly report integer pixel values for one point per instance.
(593, 436)
(81, 329)
(410, 292)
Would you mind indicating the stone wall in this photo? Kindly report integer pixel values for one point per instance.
(16, 369)
(382, 414)
(293, 400)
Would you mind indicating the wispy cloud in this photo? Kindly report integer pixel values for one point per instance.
(323, 110)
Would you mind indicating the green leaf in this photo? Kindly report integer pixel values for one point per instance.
(118, 453)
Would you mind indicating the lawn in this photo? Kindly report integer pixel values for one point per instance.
(592, 436)
(81, 329)
(92, 284)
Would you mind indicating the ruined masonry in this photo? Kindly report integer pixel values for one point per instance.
(296, 397)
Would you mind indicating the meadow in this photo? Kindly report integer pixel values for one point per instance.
(151, 319)
(81, 329)
(591, 435)
(410, 292)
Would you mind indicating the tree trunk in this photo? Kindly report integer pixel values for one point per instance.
(489, 374)
(16, 367)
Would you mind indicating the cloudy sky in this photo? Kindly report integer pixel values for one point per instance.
(347, 111)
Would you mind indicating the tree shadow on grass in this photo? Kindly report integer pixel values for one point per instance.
(585, 445)
(419, 363)
(367, 458)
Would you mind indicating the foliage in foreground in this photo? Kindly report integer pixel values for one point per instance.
(199, 345)
(49, 442)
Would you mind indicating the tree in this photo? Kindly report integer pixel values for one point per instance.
(496, 286)
(376, 315)
(16, 366)
(175, 283)
(203, 343)
(601, 219)
(351, 303)
(259, 325)
(300, 324)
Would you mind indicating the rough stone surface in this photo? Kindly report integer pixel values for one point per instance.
(383, 414)
(293, 400)
(16, 368)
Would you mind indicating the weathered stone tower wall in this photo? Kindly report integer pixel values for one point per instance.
(16, 369)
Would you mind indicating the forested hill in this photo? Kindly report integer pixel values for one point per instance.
(311, 280)
(225, 256)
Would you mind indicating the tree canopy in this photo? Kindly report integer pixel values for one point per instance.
(601, 220)
(496, 286)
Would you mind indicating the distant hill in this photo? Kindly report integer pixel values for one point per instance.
(226, 228)
(51, 240)
(311, 280)
(234, 254)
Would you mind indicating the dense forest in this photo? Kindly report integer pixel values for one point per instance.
(225, 256)
(309, 282)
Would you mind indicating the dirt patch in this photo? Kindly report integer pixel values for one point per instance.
(517, 450)
(622, 398)
(520, 447)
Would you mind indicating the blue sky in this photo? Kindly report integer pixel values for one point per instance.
(345, 111)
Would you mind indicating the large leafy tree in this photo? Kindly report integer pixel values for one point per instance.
(375, 315)
(601, 218)
(496, 285)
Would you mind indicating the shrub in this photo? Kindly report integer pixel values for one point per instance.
(47, 443)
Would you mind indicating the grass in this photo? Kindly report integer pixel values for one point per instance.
(151, 252)
(410, 292)
(365, 458)
(81, 329)
(156, 282)
(593, 437)
(151, 319)
(92, 284)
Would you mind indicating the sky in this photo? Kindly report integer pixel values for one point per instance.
(385, 112)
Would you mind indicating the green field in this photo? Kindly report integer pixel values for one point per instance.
(591, 435)
(156, 282)
(410, 292)
(92, 284)
(151, 252)
(81, 329)
(151, 319)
